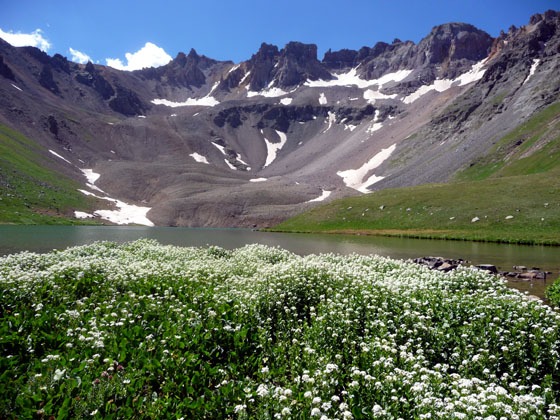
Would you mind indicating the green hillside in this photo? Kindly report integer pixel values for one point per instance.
(522, 209)
(30, 192)
(533, 147)
(512, 195)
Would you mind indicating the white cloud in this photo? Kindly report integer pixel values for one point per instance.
(34, 39)
(150, 55)
(78, 56)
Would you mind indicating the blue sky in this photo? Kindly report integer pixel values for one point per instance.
(141, 32)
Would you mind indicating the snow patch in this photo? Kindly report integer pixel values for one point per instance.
(125, 213)
(199, 158)
(230, 165)
(376, 125)
(439, 85)
(324, 195)
(322, 99)
(330, 120)
(91, 178)
(245, 78)
(83, 215)
(233, 68)
(533, 69)
(286, 101)
(205, 101)
(60, 157)
(475, 73)
(354, 178)
(17, 87)
(272, 149)
(243, 162)
(351, 78)
(213, 89)
(220, 148)
(272, 92)
(371, 96)
(258, 180)
(90, 175)
(223, 150)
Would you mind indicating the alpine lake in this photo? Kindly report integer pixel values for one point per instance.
(14, 239)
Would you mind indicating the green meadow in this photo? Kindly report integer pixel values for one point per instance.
(141, 330)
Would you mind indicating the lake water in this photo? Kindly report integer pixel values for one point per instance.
(46, 238)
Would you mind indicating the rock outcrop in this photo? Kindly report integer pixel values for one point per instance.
(183, 71)
(91, 77)
(6, 71)
(127, 102)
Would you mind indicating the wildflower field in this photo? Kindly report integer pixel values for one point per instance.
(141, 330)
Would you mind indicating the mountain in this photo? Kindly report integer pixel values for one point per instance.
(201, 142)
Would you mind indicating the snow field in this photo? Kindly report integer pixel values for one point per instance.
(354, 178)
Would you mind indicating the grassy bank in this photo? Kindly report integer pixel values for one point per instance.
(521, 209)
(532, 148)
(31, 192)
(142, 330)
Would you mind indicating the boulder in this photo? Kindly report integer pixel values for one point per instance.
(488, 267)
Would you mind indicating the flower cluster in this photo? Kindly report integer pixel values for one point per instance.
(152, 331)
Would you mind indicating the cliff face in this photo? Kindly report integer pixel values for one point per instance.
(211, 143)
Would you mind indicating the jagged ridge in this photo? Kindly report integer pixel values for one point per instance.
(207, 142)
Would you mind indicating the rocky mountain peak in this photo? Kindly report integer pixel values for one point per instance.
(183, 71)
(298, 63)
(260, 65)
(192, 138)
(384, 58)
(539, 37)
(193, 55)
(521, 51)
(549, 15)
(300, 52)
(338, 60)
(266, 52)
(289, 67)
(91, 77)
(454, 47)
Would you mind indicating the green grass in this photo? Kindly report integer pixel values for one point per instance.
(144, 331)
(533, 147)
(447, 211)
(30, 192)
(552, 293)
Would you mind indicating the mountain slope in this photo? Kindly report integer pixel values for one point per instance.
(31, 191)
(509, 195)
(201, 142)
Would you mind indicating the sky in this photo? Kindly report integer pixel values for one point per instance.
(131, 34)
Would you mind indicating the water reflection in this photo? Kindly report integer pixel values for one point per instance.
(46, 238)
